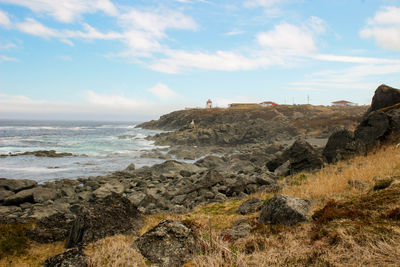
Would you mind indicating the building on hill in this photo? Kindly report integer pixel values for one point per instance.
(236, 105)
(268, 104)
(343, 103)
(209, 103)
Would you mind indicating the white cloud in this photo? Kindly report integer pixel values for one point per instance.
(65, 58)
(33, 27)
(144, 30)
(288, 39)
(234, 32)
(178, 60)
(362, 77)
(261, 3)
(156, 23)
(162, 91)
(66, 10)
(6, 58)
(353, 59)
(316, 24)
(7, 46)
(384, 28)
(92, 106)
(4, 20)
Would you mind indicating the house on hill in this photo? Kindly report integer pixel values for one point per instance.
(268, 104)
(236, 105)
(343, 103)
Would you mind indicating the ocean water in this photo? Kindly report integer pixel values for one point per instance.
(102, 147)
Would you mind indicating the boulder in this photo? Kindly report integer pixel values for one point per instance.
(385, 96)
(108, 188)
(287, 210)
(373, 129)
(42, 194)
(131, 167)
(20, 197)
(341, 145)
(170, 243)
(5, 194)
(240, 228)
(250, 206)
(50, 229)
(104, 217)
(33, 195)
(172, 168)
(302, 157)
(16, 185)
(73, 257)
(358, 184)
(210, 162)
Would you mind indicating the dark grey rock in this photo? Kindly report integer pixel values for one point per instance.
(33, 195)
(109, 188)
(302, 157)
(50, 229)
(342, 145)
(16, 185)
(250, 206)
(104, 217)
(170, 243)
(4, 194)
(240, 228)
(20, 197)
(131, 167)
(358, 184)
(373, 129)
(73, 257)
(282, 209)
(385, 96)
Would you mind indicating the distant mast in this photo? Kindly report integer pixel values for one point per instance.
(209, 103)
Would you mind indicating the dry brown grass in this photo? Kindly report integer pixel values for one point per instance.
(332, 181)
(114, 251)
(35, 255)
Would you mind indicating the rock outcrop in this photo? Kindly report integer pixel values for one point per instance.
(73, 257)
(385, 96)
(105, 217)
(287, 210)
(342, 145)
(169, 244)
(250, 206)
(301, 156)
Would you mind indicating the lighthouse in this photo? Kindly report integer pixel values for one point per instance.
(209, 103)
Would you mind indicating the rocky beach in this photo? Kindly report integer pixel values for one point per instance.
(247, 156)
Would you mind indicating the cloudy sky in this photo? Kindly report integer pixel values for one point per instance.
(135, 60)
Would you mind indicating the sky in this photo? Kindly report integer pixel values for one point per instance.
(136, 60)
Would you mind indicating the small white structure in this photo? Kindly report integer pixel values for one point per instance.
(209, 103)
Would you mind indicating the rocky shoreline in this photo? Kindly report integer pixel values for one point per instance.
(245, 162)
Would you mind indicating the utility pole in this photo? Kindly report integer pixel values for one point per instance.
(308, 99)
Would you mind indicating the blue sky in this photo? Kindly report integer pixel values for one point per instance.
(136, 60)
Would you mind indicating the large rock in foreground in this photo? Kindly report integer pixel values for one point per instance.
(341, 145)
(301, 156)
(111, 215)
(282, 209)
(16, 185)
(385, 96)
(71, 258)
(170, 243)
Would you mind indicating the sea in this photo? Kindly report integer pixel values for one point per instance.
(100, 148)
